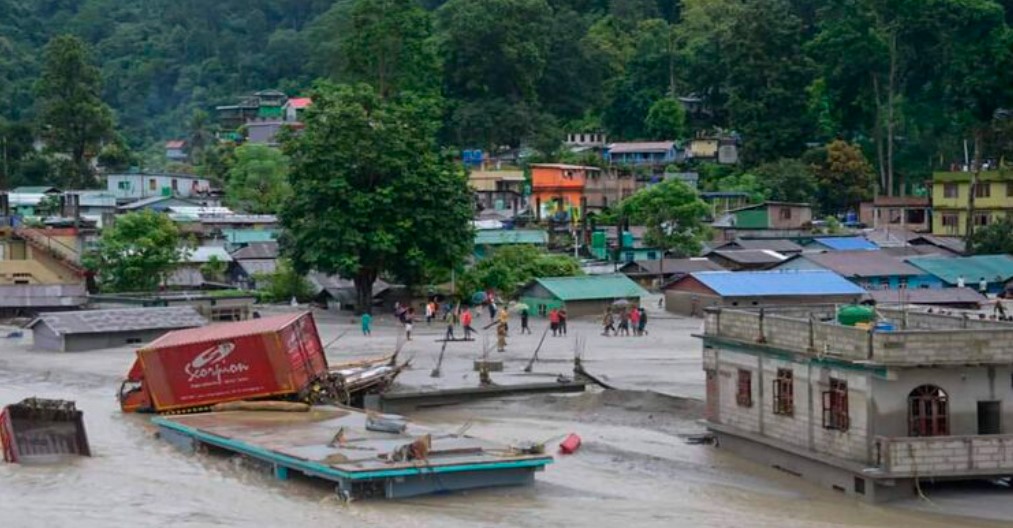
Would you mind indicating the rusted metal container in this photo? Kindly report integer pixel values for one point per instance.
(278, 356)
(41, 430)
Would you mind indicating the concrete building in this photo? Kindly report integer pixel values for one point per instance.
(95, 329)
(694, 293)
(865, 412)
(904, 212)
(134, 186)
(175, 150)
(222, 306)
(605, 189)
(951, 200)
(40, 270)
(557, 190)
(766, 216)
(580, 296)
(956, 298)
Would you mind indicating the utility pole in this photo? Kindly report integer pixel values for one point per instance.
(974, 168)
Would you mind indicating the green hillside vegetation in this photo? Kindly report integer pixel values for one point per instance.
(907, 81)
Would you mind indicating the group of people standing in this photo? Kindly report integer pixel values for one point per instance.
(630, 320)
(557, 321)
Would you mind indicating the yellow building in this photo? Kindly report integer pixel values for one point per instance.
(993, 200)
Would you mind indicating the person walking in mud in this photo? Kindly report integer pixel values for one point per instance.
(624, 324)
(451, 321)
(409, 320)
(642, 325)
(524, 322)
(635, 321)
(562, 321)
(466, 323)
(367, 321)
(608, 324)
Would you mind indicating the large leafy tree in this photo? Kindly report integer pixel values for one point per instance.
(136, 253)
(372, 193)
(993, 239)
(788, 180)
(510, 267)
(72, 116)
(389, 45)
(845, 177)
(258, 180)
(673, 215)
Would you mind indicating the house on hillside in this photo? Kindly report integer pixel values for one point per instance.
(694, 293)
(294, 108)
(253, 259)
(175, 150)
(772, 217)
(995, 269)
(903, 212)
(135, 186)
(190, 272)
(644, 153)
(872, 270)
(587, 295)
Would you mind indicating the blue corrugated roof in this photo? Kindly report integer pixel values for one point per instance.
(776, 283)
(846, 243)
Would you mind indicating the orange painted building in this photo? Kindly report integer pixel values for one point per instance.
(557, 189)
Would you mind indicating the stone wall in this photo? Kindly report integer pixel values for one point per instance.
(943, 347)
(946, 455)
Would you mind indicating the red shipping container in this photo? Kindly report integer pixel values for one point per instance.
(273, 356)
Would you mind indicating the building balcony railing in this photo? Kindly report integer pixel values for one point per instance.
(945, 456)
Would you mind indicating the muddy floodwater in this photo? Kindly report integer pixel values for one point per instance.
(635, 468)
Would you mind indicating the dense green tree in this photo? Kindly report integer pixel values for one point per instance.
(788, 180)
(137, 253)
(72, 116)
(845, 177)
(283, 284)
(372, 194)
(510, 267)
(258, 180)
(672, 213)
(199, 136)
(666, 120)
(389, 45)
(993, 239)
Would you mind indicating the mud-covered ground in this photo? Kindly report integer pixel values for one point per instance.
(634, 469)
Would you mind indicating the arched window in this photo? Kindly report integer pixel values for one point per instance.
(928, 412)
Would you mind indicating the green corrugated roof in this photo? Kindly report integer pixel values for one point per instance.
(971, 268)
(515, 236)
(616, 286)
(248, 236)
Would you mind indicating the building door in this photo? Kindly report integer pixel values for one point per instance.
(928, 408)
(989, 417)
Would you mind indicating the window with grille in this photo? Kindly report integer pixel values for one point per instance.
(784, 393)
(950, 220)
(950, 190)
(981, 219)
(744, 394)
(835, 406)
(785, 213)
(982, 190)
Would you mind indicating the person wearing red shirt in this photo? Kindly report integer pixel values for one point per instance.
(554, 321)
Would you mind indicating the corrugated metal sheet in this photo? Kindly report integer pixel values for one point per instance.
(615, 286)
(863, 264)
(927, 296)
(994, 268)
(257, 250)
(776, 283)
(225, 331)
(121, 320)
(514, 236)
(751, 256)
(847, 243)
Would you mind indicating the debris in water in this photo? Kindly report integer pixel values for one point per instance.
(40, 430)
(570, 444)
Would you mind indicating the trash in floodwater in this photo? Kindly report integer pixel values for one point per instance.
(570, 444)
(385, 423)
(41, 430)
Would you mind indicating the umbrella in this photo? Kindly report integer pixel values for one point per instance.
(478, 298)
(621, 303)
(519, 307)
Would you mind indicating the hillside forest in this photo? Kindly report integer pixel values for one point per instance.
(838, 96)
